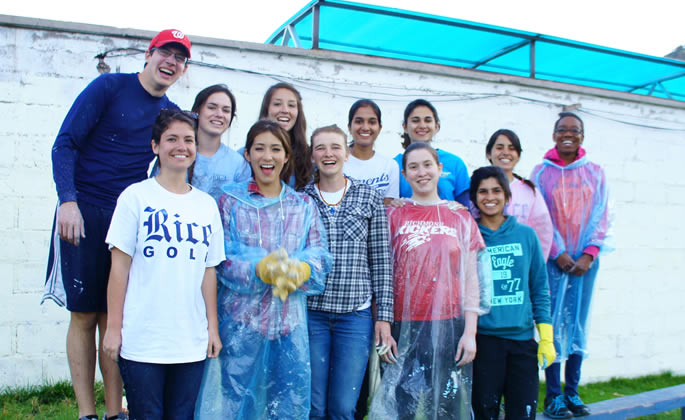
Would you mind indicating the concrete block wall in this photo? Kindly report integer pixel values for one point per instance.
(636, 324)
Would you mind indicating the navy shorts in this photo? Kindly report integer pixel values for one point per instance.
(81, 271)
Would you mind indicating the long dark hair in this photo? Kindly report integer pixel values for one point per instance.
(406, 140)
(514, 139)
(263, 126)
(298, 135)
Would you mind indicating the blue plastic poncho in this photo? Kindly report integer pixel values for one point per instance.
(440, 270)
(577, 198)
(263, 370)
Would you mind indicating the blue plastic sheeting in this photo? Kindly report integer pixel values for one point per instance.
(386, 32)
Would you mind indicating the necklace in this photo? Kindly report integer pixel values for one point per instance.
(332, 205)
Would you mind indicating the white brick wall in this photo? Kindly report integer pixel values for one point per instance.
(637, 321)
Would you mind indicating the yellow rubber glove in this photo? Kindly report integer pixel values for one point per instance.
(301, 271)
(546, 352)
(283, 287)
(272, 266)
(295, 274)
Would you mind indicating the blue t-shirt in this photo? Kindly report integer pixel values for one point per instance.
(520, 291)
(453, 183)
(103, 145)
(211, 174)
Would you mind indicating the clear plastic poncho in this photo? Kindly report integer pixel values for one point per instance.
(577, 199)
(441, 269)
(263, 370)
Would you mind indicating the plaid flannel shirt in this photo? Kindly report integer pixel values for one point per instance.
(360, 243)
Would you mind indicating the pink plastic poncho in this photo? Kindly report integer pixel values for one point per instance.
(441, 270)
(263, 370)
(577, 199)
(530, 209)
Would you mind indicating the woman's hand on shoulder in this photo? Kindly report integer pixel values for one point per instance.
(394, 202)
(455, 205)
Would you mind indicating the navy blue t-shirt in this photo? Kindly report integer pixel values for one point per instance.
(103, 145)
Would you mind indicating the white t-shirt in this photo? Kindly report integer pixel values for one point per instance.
(380, 172)
(171, 238)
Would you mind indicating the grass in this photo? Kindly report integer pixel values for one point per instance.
(619, 387)
(56, 401)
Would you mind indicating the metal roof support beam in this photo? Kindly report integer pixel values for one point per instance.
(665, 90)
(291, 33)
(285, 37)
(654, 82)
(532, 59)
(501, 52)
(315, 25)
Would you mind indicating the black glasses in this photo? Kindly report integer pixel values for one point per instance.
(170, 112)
(180, 58)
(562, 130)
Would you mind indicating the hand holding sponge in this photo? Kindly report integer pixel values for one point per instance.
(285, 274)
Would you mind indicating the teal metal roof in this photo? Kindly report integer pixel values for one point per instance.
(387, 32)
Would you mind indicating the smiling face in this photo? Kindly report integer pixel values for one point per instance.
(176, 147)
(490, 198)
(421, 124)
(161, 72)
(364, 126)
(422, 172)
(283, 108)
(214, 116)
(568, 136)
(504, 154)
(329, 153)
(267, 157)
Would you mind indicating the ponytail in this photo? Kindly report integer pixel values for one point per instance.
(525, 181)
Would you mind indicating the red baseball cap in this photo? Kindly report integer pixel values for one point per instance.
(171, 36)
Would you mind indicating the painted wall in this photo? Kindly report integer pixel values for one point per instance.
(637, 322)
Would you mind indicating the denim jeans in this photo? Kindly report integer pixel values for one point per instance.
(161, 391)
(339, 346)
(571, 376)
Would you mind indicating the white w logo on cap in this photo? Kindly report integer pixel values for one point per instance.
(178, 34)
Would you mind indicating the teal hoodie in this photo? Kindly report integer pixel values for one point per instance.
(520, 288)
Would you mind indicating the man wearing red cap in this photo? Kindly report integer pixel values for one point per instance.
(102, 147)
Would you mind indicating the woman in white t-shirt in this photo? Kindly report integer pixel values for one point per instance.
(364, 164)
(166, 237)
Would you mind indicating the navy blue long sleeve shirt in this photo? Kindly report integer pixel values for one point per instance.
(103, 145)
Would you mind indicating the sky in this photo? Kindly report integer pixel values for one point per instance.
(652, 27)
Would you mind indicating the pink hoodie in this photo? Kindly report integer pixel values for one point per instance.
(529, 208)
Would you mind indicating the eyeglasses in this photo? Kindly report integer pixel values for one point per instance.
(562, 130)
(180, 58)
(170, 112)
